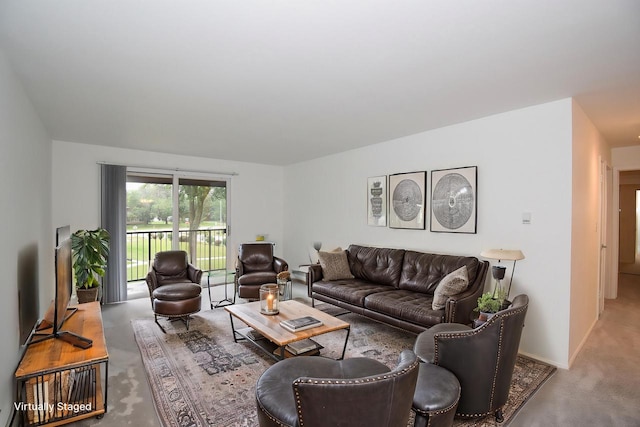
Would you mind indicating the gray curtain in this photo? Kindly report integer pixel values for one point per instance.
(114, 220)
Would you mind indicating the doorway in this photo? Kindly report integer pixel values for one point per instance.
(175, 212)
(629, 201)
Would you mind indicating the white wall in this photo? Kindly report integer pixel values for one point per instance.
(255, 193)
(588, 148)
(626, 158)
(524, 165)
(27, 236)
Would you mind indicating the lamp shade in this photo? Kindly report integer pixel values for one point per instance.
(503, 254)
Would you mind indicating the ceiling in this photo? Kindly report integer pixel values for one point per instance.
(279, 81)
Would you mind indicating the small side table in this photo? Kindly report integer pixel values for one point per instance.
(225, 301)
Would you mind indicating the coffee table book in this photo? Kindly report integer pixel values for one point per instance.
(300, 323)
(303, 346)
(307, 347)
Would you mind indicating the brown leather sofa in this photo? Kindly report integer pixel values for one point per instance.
(319, 392)
(256, 266)
(483, 359)
(174, 286)
(396, 286)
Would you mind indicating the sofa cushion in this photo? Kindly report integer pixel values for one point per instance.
(257, 278)
(177, 291)
(377, 265)
(414, 307)
(352, 291)
(422, 272)
(452, 284)
(335, 265)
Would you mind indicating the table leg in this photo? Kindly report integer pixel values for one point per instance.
(344, 349)
(233, 329)
(106, 384)
(223, 302)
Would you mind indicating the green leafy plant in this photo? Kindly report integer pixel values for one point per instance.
(487, 303)
(90, 252)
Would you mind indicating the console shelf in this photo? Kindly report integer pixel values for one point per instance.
(57, 383)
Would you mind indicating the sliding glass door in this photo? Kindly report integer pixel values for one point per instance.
(170, 212)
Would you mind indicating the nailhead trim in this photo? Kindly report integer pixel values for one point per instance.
(343, 382)
(439, 411)
(271, 417)
(453, 335)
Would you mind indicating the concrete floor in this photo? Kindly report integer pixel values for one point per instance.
(600, 389)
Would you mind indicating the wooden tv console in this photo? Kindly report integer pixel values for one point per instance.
(57, 383)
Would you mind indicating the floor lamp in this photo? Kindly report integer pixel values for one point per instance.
(498, 271)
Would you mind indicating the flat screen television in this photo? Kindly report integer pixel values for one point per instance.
(60, 311)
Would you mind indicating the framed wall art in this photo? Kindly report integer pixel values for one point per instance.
(454, 200)
(377, 201)
(407, 200)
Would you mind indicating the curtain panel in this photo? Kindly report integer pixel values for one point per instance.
(114, 220)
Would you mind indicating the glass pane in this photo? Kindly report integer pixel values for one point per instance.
(203, 222)
(149, 224)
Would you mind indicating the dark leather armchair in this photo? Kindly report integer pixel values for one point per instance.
(174, 286)
(482, 359)
(319, 392)
(256, 266)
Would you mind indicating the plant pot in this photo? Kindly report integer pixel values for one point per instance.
(484, 316)
(87, 295)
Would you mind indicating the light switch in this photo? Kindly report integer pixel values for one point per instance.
(526, 218)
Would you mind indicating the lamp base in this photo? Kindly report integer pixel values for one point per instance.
(498, 271)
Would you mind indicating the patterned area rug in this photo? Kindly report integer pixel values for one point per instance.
(201, 377)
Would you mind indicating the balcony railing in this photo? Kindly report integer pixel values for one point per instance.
(210, 249)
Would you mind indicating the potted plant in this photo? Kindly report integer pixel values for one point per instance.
(90, 252)
(487, 306)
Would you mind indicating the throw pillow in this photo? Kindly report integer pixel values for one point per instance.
(451, 284)
(335, 265)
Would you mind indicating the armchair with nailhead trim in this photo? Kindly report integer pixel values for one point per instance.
(318, 392)
(482, 359)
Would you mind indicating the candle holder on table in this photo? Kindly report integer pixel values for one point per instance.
(269, 298)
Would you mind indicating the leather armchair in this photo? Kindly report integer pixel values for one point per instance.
(174, 286)
(482, 359)
(319, 392)
(256, 266)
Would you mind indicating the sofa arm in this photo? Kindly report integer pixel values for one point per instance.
(459, 307)
(314, 275)
(279, 265)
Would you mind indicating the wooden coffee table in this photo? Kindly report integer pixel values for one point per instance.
(277, 337)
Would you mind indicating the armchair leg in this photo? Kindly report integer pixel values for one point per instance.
(499, 416)
(157, 323)
(183, 319)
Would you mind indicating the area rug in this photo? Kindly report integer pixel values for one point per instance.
(201, 377)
